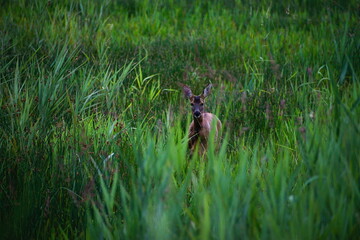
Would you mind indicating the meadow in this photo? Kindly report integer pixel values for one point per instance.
(93, 126)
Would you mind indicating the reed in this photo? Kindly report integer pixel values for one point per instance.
(94, 129)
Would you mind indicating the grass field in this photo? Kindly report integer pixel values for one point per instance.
(93, 126)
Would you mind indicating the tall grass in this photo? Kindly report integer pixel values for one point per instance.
(94, 128)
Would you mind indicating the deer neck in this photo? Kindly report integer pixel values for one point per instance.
(198, 123)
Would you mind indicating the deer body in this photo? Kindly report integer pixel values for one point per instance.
(202, 123)
(200, 130)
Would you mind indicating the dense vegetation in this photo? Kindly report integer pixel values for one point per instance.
(93, 125)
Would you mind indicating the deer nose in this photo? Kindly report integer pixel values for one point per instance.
(197, 114)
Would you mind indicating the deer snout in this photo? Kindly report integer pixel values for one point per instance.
(197, 114)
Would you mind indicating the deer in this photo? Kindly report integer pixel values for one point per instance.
(201, 125)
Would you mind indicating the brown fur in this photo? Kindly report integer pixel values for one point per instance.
(200, 130)
(201, 125)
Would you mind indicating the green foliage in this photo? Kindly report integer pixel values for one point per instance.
(93, 127)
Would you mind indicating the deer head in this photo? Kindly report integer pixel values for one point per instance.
(196, 101)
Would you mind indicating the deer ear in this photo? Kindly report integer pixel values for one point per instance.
(207, 90)
(186, 90)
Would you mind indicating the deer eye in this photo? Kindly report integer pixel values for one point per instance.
(201, 104)
(191, 104)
